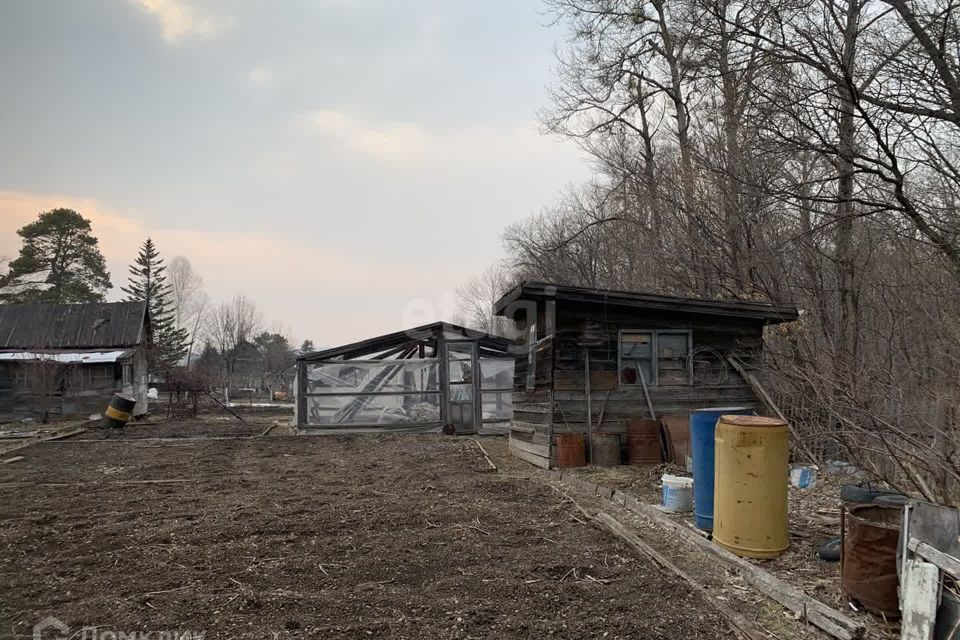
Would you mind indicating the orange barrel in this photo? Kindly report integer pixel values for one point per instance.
(605, 449)
(118, 411)
(571, 450)
(643, 442)
(750, 486)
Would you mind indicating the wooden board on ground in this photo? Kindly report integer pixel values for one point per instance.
(736, 621)
(818, 614)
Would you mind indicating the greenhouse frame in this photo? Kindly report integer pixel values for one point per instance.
(420, 379)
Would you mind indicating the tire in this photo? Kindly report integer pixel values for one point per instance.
(866, 494)
(830, 551)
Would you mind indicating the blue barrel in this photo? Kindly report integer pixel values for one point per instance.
(703, 424)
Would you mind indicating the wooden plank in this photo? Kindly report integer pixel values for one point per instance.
(945, 562)
(522, 427)
(486, 457)
(541, 450)
(820, 615)
(921, 586)
(757, 387)
(737, 622)
(543, 463)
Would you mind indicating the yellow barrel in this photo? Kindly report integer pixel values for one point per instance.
(750, 486)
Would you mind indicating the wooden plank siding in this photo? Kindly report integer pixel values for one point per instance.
(557, 403)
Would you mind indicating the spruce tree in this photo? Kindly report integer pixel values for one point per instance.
(148, 282)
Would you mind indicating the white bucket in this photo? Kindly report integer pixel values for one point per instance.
(803, 476)
(677, 493)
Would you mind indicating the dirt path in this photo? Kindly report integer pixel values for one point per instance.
(335, 537)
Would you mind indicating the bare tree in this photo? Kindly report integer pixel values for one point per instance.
(475, 300)
(189, 303)
(233, 323)
(803, 151)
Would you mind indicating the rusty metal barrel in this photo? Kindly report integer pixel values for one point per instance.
(605, 448)
(571, 450)
(643, 442)
(119, 411)
(868, 573)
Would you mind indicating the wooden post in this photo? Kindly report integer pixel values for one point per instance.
(444, 379)
(586, 385)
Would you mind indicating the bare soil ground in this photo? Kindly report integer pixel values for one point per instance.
(391, 536)
(814, 518)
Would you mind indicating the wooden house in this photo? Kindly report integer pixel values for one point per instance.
(432, 377)
(622, 355)
(67, 360)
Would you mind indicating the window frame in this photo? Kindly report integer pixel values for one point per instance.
(655, 356)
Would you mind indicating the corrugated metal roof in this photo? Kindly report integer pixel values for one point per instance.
(103, 325)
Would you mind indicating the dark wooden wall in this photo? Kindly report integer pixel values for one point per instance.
(75, 397)
(558, 402)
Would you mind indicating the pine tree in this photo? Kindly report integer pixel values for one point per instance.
(59, 262)
(148, 282)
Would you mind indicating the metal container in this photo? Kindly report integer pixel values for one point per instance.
(119, 410)
(571, 450)
(703, 422)
(677, 429)
(868, 573)
(750, 494)
(605, 449)
(643, 442)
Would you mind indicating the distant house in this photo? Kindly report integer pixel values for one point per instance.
(67, 360)
(245, 367)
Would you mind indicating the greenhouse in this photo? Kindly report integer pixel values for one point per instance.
(438, 376)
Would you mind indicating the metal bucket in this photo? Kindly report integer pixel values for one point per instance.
(643, 442)
(571, 450)
(868, 573)
(119, 410)
(605, 449)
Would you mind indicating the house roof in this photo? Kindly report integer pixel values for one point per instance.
(66, 357)
(96, 325)
(760, 311)
(417, 334)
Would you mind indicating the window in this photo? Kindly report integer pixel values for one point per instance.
(655, 357)
(636, 357)
(673, 361)
(99, 375)
(20, 379)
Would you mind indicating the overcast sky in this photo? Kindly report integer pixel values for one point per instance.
(345, 163)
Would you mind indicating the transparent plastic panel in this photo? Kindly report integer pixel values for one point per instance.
(460, 361)
(496, 373)
(373, 377)
(350, 410)
(497, 406)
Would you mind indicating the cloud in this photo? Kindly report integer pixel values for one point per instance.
(329, 294)
(409, 142)
(177, 19)
(260, 77)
